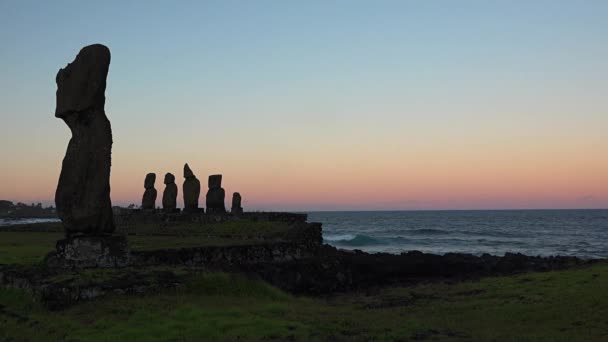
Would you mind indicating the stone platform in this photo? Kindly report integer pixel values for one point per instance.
(90, 251)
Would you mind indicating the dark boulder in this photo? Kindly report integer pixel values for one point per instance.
(83, 193)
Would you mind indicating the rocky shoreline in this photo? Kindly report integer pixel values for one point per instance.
(334, 270)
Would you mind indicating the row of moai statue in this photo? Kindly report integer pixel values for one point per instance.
(191, 190)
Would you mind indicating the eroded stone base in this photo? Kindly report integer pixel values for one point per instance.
(90, 251)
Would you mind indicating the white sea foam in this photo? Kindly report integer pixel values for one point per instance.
(339, 237)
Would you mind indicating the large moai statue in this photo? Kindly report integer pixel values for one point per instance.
(170, 193)
(191, 190)
(236, 204)
(215, 195)
(83, 192)
(148, 202)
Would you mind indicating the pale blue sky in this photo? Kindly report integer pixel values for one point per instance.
(228, 85)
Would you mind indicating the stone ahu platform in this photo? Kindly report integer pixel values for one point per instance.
(199, 216)
(90, 251)
(84, 268)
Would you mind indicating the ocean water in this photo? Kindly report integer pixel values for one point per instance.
(582, 233)
(10, 222)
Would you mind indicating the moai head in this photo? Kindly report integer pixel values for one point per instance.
(215, 181)
(150, 180)
(236, 200)
(187, 172)
(169, 178)
(82, 83)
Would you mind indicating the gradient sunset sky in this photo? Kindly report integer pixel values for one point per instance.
(323, 105)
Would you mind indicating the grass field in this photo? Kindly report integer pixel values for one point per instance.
(26, 248)
(555, 306)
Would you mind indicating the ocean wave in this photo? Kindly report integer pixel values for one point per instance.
(358, 240)
(362, 240)
(427, 231)
(493, 234)
(486, 242)
(339, 237)
(439, 232)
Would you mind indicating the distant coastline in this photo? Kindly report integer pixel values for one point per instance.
(6, 222)
(12, 211)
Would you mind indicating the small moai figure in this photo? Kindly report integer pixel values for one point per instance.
(170, 193)
(236, 204)
(148, 202)
(191, 190)
(215, 195)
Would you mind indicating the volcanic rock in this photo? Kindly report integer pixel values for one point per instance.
(90, 251)
(83, 192)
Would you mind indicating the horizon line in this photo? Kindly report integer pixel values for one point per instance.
(123, 205)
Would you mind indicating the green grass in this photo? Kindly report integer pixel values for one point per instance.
(554, 306)
(26, 248)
